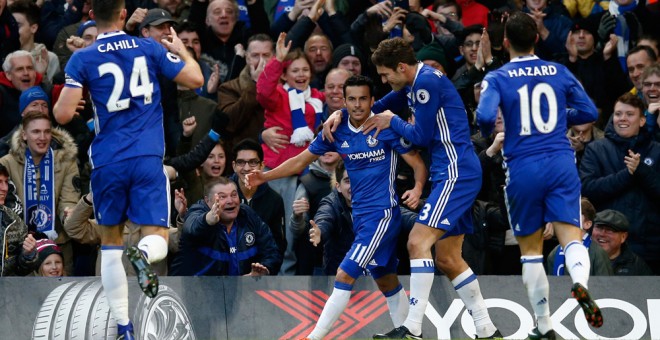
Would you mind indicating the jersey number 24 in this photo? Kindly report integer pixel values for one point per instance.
(139, 84)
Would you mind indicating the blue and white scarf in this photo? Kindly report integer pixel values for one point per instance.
(39, 199)
(621, 30)
(297, 100)
(560, 257)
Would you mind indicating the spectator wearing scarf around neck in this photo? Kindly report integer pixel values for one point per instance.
(42, 165)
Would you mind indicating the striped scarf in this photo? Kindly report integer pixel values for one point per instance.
(297, 100)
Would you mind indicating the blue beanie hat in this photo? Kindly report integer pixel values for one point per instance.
(30, 95)
(84, 26)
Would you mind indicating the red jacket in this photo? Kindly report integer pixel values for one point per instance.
(275, 101)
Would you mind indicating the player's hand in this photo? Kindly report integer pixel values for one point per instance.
(300, 206)
(632, 161)
(314, 233)
(136, 18)
(379, 122)
(549, 231)
(498, 142)
(189, 125)
(281, 47)
(411, 198)
(258, 269)
(81, 105)
(29, 244)
(180, 201)
(213, 216)
(273, 139)
(254, 179)
(330, 126)
(175, 45)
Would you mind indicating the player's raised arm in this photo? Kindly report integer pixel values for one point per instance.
(191, 75)
(290, 167)
(487, 108)
(66, 105)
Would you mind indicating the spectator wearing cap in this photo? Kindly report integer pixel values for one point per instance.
(600, 264)
(18, 257)
(611, 232)
(156, 24)
(592, 67)
(85, 35)
(622, 172)
(32, 99)
(348, 57)
(434, 56)
(50, 260)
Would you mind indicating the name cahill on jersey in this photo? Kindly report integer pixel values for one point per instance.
(532, 71)
(117, 45)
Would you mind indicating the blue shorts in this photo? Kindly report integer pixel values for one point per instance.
(542, 189)
(449, 206)
(374, 247)
(135, 189)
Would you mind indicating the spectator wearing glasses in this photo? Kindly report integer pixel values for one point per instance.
(267, 203)
(651, 93)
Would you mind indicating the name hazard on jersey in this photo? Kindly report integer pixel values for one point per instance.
(374, 156)
(529, 71)
(117, 45)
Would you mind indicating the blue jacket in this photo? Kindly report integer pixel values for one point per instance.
(209, 250)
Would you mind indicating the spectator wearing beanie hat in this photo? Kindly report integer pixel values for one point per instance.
(433, 55)
(417, 31)
(51, 263)
(348, 57)
(34, 99)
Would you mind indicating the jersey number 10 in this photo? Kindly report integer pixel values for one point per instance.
(541, 89)
(139, 84)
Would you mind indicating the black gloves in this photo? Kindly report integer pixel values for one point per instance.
(606, 26)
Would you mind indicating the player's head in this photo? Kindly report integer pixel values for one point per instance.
(214, 165)
(628, 117)
(227, 195)
(358, 98)
(394, 58)
(342, 183)
(107, 12)
(37, 132)
(297, 70)
(248, 156)
(19, 69)
(520, 33)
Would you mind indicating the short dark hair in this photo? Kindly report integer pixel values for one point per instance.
(4, 171)
(359, 80)
(649, 51)
(588, 209)
(339, 171)
(216, 181)
(472, 29)
(632, 100)
(249, 144)
(31, 116)
(187, 26)
(391, 52)
(260, 37)
(29, 9)
(449, 3)
(106, 11)
(521, 32)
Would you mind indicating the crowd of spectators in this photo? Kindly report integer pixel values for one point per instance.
(262, 103)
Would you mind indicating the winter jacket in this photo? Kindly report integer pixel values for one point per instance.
(9, 96)
(275, 100)
(608, 185)
(336, 224)
(193, 105)
(12, 234)
(67, 186)
(629, 264)
(269, 205)
(205, 250)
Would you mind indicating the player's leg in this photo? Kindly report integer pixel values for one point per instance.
(450, 261)
(563, 209)
(335, 305)
(388, 283)
(149, 207)
(109, 185)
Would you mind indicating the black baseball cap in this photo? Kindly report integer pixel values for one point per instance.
(155, 17)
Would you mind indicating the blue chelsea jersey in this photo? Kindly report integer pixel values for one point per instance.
(441, 123)
(121, 74)
(370, 163)
(539, 100)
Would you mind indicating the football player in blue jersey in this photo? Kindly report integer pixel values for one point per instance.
(441, 125)
(371, 165)
(128, 178)
(542, 180)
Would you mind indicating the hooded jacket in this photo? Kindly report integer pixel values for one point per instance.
(9, 95)
(608, 185)
(67, 186)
